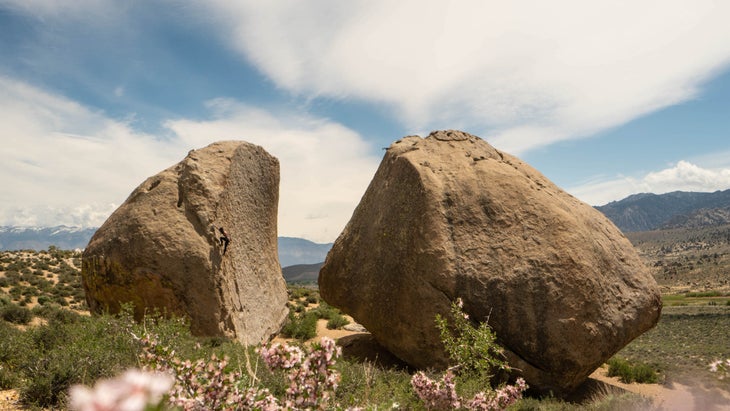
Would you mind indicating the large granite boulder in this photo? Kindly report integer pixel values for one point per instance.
(161, 249)
(449, 216)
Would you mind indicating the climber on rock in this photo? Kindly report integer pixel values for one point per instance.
(224, 239)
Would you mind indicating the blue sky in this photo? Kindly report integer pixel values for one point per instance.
(606, 98)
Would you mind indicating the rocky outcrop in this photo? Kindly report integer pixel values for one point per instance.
(161, 248)
(449, 216)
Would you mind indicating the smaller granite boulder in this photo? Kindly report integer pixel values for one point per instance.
(162, 248)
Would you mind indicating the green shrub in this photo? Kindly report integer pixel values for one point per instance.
(54, 312)
(628, 372)
(60, 300)
(302, 326)
(73, 349)
(325, 311)
(15, 314)
(8, 379)
(474, 348)
(296, 293)
(8, 346)
(15, 292)
(373, 387)
(337, 321)
(12, 275)
(705, 294)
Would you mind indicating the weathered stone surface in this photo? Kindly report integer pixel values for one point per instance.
(449, 216)
(160, 249)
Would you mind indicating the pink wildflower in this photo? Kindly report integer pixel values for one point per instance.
(132, 391)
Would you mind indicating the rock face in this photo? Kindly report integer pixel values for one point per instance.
(161, 249)
(449, 216)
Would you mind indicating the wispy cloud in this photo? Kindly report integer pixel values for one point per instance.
(525, 73)
(63, 162)
(683, 176)
(67, 164)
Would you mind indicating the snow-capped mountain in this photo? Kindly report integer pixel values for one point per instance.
(40, 238)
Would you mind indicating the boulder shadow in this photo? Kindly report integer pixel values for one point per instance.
(593, 389)
(362, 347)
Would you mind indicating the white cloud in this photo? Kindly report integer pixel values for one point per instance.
(325, 167)
(683, 176)
(530, 72)
(66, 164)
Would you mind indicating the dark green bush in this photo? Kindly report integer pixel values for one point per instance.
(375, 387)
(628, 372)
(8, 346)
(60, 300)
(15, 314)
(54, 312)
(74, 349)
(296, 293)
(325, 311)
(336, 322)
(8, 379)
(302, 326)
(15, 292)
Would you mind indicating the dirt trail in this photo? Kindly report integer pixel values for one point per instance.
(676, 397)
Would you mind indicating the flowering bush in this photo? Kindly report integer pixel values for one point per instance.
(722, 368)
(207, 385)
(167, 382)
(476, 353)
(198, 385)
(436, 395)
(442, 395)
(132, 391)
(312, 380)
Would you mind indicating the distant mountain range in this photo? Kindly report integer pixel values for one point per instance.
(40, 238)
(292, 251)
(679, 209)
(302, 273)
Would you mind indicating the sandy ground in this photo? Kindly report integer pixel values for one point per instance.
(9, 400)
(676, 397)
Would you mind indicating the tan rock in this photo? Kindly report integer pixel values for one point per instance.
(161, 249)
(450, 216)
